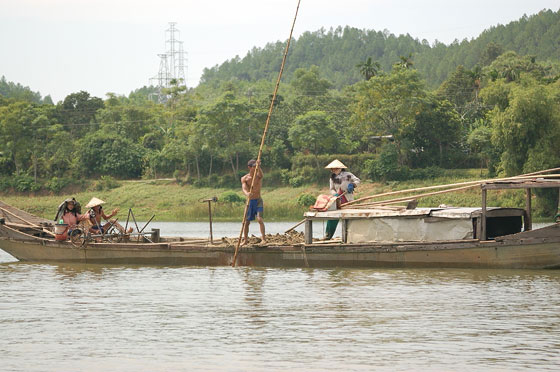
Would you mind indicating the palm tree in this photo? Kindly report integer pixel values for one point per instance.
(369, 68)
(476, 75)
(406, 62)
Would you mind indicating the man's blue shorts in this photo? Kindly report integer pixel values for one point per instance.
(255, 206)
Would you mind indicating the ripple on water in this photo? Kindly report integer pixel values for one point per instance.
(91, 318)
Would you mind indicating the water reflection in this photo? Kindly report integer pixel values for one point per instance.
(130, 318)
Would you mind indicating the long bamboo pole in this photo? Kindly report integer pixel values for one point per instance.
(408, 198)
(273, 100)
(411, 197)
(449, 185)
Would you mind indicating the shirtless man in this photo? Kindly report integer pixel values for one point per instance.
(255, 200)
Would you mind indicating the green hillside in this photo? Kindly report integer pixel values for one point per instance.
(337, 51)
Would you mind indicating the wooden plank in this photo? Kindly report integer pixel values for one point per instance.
(483, 216)
(308, 231)
(293, 227)
(528, 219)
(525, 185)
(507, 212)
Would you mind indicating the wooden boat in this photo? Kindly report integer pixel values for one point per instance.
(494, 240)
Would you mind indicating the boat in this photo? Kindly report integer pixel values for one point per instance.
(383, 236)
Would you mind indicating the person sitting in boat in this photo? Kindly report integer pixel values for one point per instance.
(342, 184)
(95, 215)
(69, 211)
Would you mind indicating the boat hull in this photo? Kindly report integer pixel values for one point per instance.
(529, 252)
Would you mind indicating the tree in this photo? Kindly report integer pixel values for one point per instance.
(528, 129)
(78, 111)
(309, 83)
(480, 142)
(406, 61)
(461, 89)
(313, 132)
(435, 134)
(387, 104)
(229, 128)
(369, 68)
(16, 133)
(510, 66)
(490, 53)
(101, 153)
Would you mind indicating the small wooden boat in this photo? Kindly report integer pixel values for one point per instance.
(383, 237)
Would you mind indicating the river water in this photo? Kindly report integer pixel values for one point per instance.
(131, 318)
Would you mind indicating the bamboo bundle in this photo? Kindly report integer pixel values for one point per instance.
(409, 198)
(358, 203)
(378, 206)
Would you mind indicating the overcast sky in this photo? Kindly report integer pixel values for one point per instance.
(58, 47)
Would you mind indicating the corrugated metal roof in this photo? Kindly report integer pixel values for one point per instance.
(453, 212)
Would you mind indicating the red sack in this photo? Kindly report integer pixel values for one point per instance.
(324, 203)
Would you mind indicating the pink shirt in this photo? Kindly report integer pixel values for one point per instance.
(71, 220)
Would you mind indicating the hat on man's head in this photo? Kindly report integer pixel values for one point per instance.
(251, 163)
(94, 202)
(335, 164)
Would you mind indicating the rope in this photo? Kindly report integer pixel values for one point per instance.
(272, 101)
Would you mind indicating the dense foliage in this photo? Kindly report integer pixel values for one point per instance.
(337, 52)
(384, 105)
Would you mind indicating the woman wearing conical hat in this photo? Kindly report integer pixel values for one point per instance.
(342, 184)
(96, 213)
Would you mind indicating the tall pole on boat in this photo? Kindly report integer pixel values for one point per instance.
(272, 102)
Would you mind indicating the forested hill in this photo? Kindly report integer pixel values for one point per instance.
(337, 52)
(16, 91)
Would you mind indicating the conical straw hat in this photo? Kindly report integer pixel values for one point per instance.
(335, 164)
(94, 202)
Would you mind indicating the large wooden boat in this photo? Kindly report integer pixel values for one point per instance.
(421, 237)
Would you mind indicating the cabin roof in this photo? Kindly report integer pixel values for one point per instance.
(443, 212)
(531, 183)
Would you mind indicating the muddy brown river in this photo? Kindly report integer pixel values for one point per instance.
(132, 318)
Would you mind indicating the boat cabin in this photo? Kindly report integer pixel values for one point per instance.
(386, 224)
(421, 224)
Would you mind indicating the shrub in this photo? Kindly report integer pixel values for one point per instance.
(306, 200)
(177, 176)
(5, 183)
(275, 178)
(56, 184)
(231, 197)
(227, 180)
(354, 162)
(24, 183)
(285, 176)
(296, 181)
(426, 173)
(106, 183)
(202, 182)
(312, 175)
(6, 165)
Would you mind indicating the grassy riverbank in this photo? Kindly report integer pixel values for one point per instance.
(170, 201)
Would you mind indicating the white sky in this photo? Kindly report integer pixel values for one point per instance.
(59, 47)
